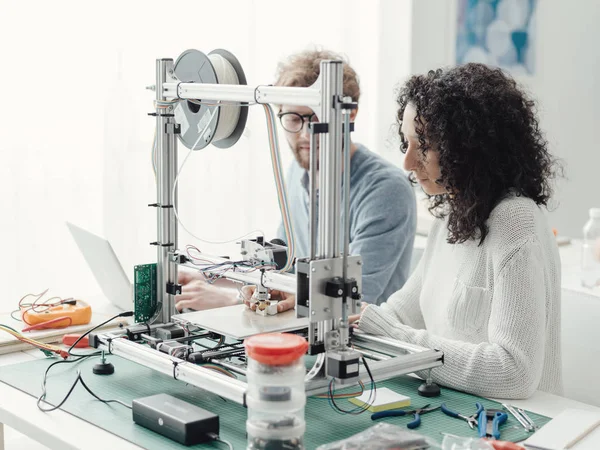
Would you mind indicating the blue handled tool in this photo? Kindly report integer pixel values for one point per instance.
(403, 412)
(487, 429)
(471, 420)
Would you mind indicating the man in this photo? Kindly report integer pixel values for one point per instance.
(382, 202)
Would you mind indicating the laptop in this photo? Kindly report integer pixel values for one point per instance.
(108, 271)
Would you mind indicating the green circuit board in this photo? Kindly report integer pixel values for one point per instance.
(144, 297)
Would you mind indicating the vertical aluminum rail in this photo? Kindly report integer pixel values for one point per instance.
(166, 149)
(330, 163)
(313, 194)
(330, 169)
(344, 332)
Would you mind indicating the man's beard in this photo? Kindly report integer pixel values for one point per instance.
(302, 155)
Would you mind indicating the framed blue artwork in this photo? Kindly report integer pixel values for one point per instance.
(498, 33)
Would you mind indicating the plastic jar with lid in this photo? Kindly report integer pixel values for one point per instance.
(276, 395)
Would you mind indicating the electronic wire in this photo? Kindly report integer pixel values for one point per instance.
(42, 398)
(360, 409)
(279, 184)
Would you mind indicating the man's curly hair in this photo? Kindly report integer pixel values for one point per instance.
(302, 70)
(489, 142)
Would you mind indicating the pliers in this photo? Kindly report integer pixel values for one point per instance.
(491, 428)
(403, 412)
(471, 420)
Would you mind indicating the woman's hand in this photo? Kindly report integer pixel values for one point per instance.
(197, 294)
(286, 301)
(355, 317)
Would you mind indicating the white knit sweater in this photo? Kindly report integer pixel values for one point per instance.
(494, 309)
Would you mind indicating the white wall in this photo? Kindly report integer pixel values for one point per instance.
(76, 140)
(566, 85)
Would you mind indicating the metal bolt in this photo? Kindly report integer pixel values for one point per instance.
(326, 310)
(340, 291)
(326, 267)
(354, 289)
(313, 313)
(359, 263)
(313, 270)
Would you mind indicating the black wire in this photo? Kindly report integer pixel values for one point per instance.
(98, 398)
(66, 361)
(356, 411)
(42, 397)
(79, 379)
(262, 277)
(61, 403)
(366, 406)
(215, 437)
(123, 314)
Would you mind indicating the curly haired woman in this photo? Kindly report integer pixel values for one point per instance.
(487, 290)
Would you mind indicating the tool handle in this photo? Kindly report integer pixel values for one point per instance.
(392, 413)
(499, 419)
(449, 412)
(482, 424)
(479, 407)
(415, 422)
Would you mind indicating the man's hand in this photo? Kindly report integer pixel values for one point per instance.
(197, 294)
(286, 301)
(354, 318)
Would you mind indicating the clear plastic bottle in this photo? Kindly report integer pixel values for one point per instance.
(590, 261)
(276, 395)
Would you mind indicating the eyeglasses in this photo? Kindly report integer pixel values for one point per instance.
(293, 122)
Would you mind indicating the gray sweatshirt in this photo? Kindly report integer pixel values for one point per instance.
(382, 221)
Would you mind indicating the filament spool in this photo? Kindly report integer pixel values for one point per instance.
(200, 124)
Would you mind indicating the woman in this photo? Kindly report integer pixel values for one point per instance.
(487, 289)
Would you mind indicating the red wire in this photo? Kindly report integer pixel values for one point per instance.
(48, 322)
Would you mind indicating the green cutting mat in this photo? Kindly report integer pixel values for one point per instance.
(131, 381)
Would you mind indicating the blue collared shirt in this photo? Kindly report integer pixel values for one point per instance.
(383, 220)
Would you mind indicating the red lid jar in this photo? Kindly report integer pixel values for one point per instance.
(276, 349)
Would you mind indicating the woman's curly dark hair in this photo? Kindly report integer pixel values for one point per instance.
(489, 141)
